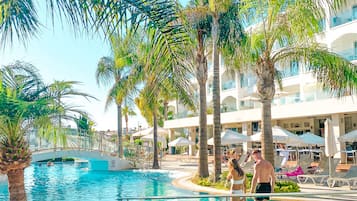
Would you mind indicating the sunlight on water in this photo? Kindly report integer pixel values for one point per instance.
(66, 182)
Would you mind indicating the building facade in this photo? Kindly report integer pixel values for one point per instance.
(301, 106)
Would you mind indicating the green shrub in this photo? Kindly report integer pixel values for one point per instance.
(280, 186)
(138, 142)
(286, 187)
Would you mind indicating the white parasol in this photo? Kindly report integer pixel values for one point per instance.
(230, 137)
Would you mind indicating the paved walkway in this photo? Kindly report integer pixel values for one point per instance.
(189, 165)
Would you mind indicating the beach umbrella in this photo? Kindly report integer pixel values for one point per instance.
(312, 139)
(230, 137)
(280, 135)
(349, 137)
(181, 141)
(330, 144)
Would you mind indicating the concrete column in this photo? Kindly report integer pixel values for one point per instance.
(338, 127)
(171, 135)
(171, 138)
(247, 130)
(302, 81)
(192, 137)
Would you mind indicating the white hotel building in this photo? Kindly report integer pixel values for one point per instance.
(301, 106)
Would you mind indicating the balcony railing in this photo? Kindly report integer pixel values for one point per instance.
(339, 20)
(349, 54)
(229, 85)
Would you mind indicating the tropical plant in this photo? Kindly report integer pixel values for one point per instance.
(226, 28)
(158, 79)
(62, 91)
(196, 16)
(290, 25)
(22, 101)
(127, 111)
(111, 71)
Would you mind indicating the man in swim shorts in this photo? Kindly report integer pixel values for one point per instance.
(264, 177)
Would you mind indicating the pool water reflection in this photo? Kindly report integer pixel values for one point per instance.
(66, 182)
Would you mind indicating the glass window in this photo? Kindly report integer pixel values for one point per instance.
(294, 67)
(354, 12)
(243, 81)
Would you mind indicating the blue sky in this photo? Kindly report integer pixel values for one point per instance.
(60, 55)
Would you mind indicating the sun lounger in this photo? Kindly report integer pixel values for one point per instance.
(350, 178)
(320, 176)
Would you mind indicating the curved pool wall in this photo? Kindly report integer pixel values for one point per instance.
(97, 160)
(68, 182)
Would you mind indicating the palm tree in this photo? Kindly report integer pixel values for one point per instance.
(226, 28)
(198, 23)
(159, 79)
(111, 71)
(292, 25)
(127, 111)
(22, 101)
(63, 90)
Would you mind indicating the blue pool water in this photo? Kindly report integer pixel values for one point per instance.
(66, 182)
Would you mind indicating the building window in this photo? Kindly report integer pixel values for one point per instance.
(243, 80)
(294, 68)
(322, 25)
(255, 126)
(354, 12)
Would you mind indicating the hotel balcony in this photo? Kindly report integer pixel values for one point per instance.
(343, 18)
(349, 54)
(319, 107)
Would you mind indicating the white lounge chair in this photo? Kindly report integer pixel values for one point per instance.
(350, 178)
(319, 177)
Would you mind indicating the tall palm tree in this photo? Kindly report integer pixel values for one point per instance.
(292, 25)
(22, 101)
(198, 23)
(226, 28)
(127, 111)
(111, 71)
(159, 78)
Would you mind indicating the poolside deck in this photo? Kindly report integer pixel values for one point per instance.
(190, 165)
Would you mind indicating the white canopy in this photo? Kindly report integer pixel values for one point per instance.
(349, 137)
(280, 135)
(150, 137)
(160, 132)
(181, 141)
(312, 139)
(230, 137)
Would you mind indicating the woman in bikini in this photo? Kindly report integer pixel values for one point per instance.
(237, 178)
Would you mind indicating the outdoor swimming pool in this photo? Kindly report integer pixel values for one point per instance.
(66, 182)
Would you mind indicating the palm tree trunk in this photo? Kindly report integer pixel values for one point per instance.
(216, 102)
(120, 127)
(202, 79)
(127, 124)
(267, 136)
(266, 91)
(155, 164)
(16, 185)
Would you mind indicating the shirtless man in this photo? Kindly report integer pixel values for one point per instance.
(264, 178)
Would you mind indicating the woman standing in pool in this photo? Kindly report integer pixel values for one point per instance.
(237, 178)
